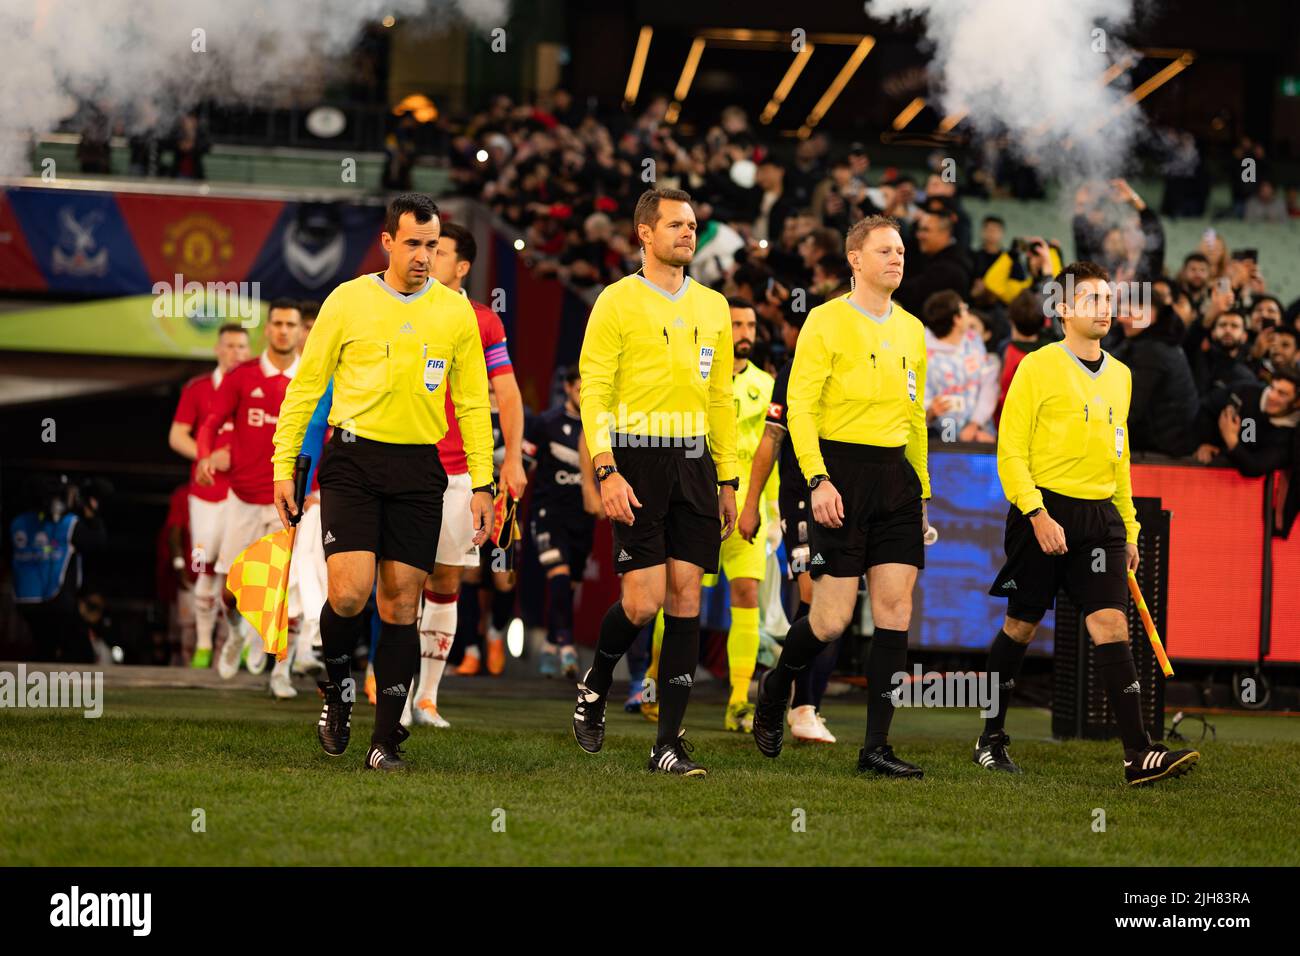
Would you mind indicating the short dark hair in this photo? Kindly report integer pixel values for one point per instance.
(284, 302)
(310, 308)
(232, 327)
(739, 302)
(997, 219)
(572, 374)
(1288, 375)
(647, 207)
(1025, 313)
(417, 204)
(1195, 257)
(1225, 312)
(1286, 330)
(1268, 298)
(1076, 272)
(940, 312)
(466, 245)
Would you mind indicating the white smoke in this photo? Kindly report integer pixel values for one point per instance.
(143, 54)
(1031, 70)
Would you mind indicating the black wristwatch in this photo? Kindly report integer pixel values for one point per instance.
(489, 488)
(816, 480)
(732, 483)
(1030, 514)
(604, 471)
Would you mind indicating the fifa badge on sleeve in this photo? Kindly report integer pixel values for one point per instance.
(911, 385)
(434, 371)
(706, 360)
(1119, 441)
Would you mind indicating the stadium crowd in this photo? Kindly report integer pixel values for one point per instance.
(1208, 345)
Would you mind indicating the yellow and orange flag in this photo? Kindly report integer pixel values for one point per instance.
(259, 580)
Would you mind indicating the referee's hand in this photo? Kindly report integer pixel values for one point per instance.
(619, 500)
(827, 505)
(480, 506)
(284, 504)
(727, 510)
(1050, 535)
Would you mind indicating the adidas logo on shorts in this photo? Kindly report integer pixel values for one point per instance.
(1010, 585)
(682, 680)
(329, 537)
(397, 690)
(1133, 688)
(818, 559)
(623, 555)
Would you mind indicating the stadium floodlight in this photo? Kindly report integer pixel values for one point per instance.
(787, 83)
(638, 66)
(837, 85)
(909, 112)
(684, 82)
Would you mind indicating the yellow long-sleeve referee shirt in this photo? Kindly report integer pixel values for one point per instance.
(655, 363)
(859, 378)
(392, 357)
(1065, 428)
(753, 397)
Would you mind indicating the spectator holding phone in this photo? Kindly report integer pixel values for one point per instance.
(1253, 427)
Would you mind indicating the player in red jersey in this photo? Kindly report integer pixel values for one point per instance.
(456, 549)
(250, 396)
(207, 502)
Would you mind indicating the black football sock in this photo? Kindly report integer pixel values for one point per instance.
(561, 609)
(886, 657)
(803, 680)
(821, 670)
(1120, 677)
(678, 659)
(616, 635)
(338, 636)
(1005, 657)
(397, 665)
(801, 647)
(503, 609)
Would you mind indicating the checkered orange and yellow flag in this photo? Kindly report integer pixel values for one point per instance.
(259, 580)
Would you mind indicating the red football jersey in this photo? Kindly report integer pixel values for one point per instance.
(192, 410)
(250, 396)
(493, 334)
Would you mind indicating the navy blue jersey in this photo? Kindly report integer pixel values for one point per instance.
(551, 438)
(790, 474)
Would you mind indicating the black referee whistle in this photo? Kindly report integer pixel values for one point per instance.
(301, 469)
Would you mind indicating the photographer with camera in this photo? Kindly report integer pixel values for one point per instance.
(48, 540)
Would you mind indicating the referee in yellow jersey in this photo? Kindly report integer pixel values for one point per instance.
(659, 421)
(857, 422)
(1063, 458)
(394, 344)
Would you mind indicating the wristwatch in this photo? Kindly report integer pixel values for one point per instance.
(816, 480)
(604, 471)
(490, 488)
(1030, 514)
(732, 483)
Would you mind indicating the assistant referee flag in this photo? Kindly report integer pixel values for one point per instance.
(259, 580)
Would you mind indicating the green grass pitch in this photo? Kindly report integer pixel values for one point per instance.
(122, 790)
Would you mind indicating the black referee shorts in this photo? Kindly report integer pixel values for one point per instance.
(382, 498)
(882, 512)
(562, 535)
(796, 516)
(678, 518)
(1093, 571)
